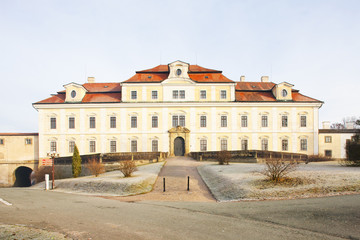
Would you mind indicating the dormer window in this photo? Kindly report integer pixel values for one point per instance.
(284, 93)
(178, 72)
(73, 93)
(134, 95)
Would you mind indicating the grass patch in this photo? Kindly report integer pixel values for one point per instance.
(288, 182)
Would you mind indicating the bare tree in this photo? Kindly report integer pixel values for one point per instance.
(277, 168)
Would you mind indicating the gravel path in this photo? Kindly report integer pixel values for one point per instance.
(175, 172)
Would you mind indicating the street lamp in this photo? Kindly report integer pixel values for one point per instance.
(53, 154)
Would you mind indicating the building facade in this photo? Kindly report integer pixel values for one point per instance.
(178, 108)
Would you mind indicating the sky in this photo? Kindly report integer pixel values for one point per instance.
(312, 44)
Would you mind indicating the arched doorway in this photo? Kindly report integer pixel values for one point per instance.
(22, 175)
(179, 146)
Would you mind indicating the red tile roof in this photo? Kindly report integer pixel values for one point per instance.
(102, 87)
(210, 77)
(59, 98)
(254, 86)
(165, 69)
(267, 96)
(102, 98)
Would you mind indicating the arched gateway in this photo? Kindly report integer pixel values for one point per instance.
(179, 146)
(179, 141)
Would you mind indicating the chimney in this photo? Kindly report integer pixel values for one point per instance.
(326, 125)
(265, 79)
(242, 79)
(91, 79)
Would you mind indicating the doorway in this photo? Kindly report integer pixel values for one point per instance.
(22, 175)
(179, 146)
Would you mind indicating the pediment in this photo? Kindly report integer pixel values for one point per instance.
(179, 129)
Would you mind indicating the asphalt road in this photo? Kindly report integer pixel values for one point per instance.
(89, 217)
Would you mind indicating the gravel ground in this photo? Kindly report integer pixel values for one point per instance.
(17, 232)
(111, 183)
(242, 181)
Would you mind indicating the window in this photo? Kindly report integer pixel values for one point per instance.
(92, 146)
(302, 121)
(133, 94)
(328, 153)
(28, 141)
(178, 71)
(133, 122)
(182, 94)
(2, 141)
(303, 144)
(175, 121)
(284, 93)
(223, 94)
(175, 94)
(285, 145)
(244, 144)
(202, 121)
(52, 123)
(53, 146)
(203, 145)
(264, 121)
(73, 93)
(113, 146)
(244, 121)
(71, 122)
(223, 144)
(71, 146)
(223, 121)
(203, 94)
(178, 120)
(154, 145)
(133, 146)
(284, 121)
(328, 139)
(264, 144)
(154, 94)
(92, 122)
(154, 121)
(182, 120)
(112, 122)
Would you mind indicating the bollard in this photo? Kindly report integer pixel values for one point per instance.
(164, 183)
(188, 185)
(47, 187)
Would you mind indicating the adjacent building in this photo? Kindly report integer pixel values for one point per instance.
(178, 108)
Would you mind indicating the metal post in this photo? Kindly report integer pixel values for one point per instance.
(164, 183)
(53, 172)
(188, 185)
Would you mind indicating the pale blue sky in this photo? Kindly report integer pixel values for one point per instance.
(314, 45)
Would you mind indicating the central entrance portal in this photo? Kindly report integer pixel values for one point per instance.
(179, 146)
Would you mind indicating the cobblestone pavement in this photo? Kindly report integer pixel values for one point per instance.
(175, 171)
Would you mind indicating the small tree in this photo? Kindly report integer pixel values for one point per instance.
(223, 157)
(95, 167)
(127, 167)
(76, 163)
(276, 169)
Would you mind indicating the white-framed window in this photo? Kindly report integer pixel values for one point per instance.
(53, 123)
(133, 121)
(303, 144)
(53, 146)
(28, 141)
(284, 93)
(154, 145)
(264, 144)
(203, 145)
(2, 141)
(71, 122)
(224, 121)
(154, 121)
(223, 94)
(264, 121)
(223, 144)
(244, 144)
(284, 145)
(328, 153)
(154, 94)
(202, 94)
(203, 121)
(113, 146)
(133, 145)
(178, 120)
(71, 146)
(112, 122)
(92, 146)
(328, 139)
(244, 121)
(175, 94)
(182, 94)
(92, 122)
(303, 121)
(133, 95)
(284, 121)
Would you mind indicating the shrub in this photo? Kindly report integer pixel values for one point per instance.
(95, 167)
(353, 152)
(276, 169)
(318, 158)
(127, 167)
(76, 163)
(223, 157)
